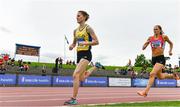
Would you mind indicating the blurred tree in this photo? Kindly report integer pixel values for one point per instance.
(141, 61)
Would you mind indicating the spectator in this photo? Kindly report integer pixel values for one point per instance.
(2, 68)
(70, 62)
(168, 69)
(21, 68)
(26, 66)
(146, 75)
(133, 74)
(129, 65)
(123, 72)
(9, 61)
(12, 63)
(44, 70)
(57, 60)
(67, 62)
(5, 61)
(116, 71)
(74, 63)
(20, 63)
(56, 63)
(6, 58)
(60, 62)
(142, 74)
(55, 69)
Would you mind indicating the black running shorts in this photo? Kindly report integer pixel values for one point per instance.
(158, 59)
(85, 55)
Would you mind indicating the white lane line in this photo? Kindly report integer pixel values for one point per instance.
(91, 94)
(78, 98)
(69, 91)
(60, 91)
(99, 94)
(34, 95)
(89, 98)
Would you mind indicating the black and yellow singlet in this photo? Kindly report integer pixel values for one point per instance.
(83, 35)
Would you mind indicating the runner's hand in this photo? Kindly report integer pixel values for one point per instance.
(71, 47)
(170, 53)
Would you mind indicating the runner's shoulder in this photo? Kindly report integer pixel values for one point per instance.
(149, 38)
(165, 37)
(89, 29)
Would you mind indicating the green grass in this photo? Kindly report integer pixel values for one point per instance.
(51, 65)
(143, 104)
(161, 103)
(108, 68)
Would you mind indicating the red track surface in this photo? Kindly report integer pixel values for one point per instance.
(55, 96)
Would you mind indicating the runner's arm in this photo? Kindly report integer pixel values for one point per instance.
(146, 44)
(170, 44)
(74, 41)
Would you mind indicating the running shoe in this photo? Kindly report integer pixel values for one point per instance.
(72, 101)
(99, 66)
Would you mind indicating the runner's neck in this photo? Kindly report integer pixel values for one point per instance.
(81, 26)
(156, 35)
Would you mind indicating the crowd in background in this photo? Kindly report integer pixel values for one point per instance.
(59, 61)
(23, 66)
(70, 62)
(6, 60)
(129, 70)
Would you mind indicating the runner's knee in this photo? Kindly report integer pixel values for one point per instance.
(76, 75)
(152, 74)
(81, 78)
(160, 76)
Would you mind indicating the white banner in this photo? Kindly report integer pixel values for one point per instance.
(178, 83)
(120, 82)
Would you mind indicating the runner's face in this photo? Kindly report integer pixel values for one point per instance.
(80, 18)
(157, 30)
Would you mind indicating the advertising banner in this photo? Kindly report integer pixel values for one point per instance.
(166, 83)
(178, 83)
(120, 82)
(8, 79)
(95, 81)
(63, 80)
(139, 82)
(34, 80)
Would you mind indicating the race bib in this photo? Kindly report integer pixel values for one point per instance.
(156, 44)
